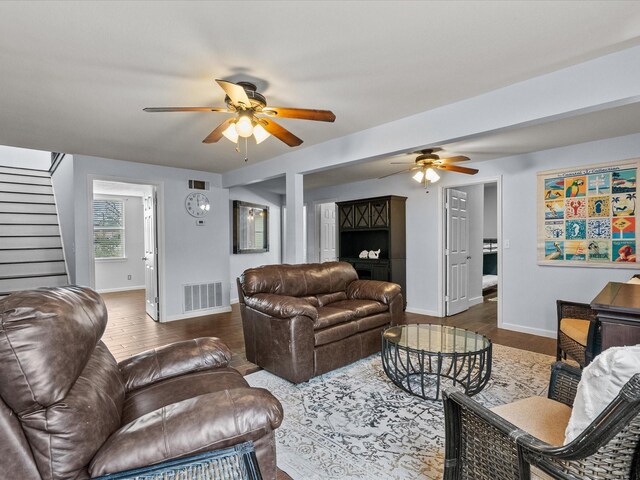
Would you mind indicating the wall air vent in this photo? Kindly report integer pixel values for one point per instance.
(199, 185)
(201, 296)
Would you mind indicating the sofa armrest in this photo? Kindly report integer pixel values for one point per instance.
(173, 360)
(383, 292)
(281, 306)
(203, 423)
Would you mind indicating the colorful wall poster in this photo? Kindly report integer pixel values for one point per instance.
(587, 216)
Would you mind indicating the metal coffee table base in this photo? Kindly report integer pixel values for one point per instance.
(425, 374)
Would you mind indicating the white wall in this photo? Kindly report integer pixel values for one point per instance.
(490, 211)
(238, 263)
(24, 158)
(111, 275)
(188, 253)
(529, 291)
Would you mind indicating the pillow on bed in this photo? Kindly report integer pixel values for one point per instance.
(601, 382)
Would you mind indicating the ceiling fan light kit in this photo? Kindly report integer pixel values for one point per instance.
(242, 99)
(426, 164)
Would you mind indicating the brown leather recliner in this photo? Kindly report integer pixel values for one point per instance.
(69, 411)
(301, 321)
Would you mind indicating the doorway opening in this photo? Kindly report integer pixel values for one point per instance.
(125, 240)
(472, 258)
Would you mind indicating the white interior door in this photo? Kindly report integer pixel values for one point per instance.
(151, 256)
(457, 252)
(328, 232)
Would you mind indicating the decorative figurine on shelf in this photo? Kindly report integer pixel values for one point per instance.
(375, 254)
(364, 254)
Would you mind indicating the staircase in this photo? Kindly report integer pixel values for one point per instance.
(31, 254)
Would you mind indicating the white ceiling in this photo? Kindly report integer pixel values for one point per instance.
(76, 75)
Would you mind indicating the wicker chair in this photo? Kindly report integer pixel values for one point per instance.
(481, 445)
(579, 335)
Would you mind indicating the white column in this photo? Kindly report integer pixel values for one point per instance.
(294, 252)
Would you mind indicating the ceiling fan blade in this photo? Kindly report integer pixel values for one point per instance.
(216, 134)
(402, 163)
(236, 93)
(455, 168)
(396, 173)
(459, 158)
(301, 113)
(184, 109)
(280, 132)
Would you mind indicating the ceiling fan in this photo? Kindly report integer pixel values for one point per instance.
(253, 117)
(428, 161)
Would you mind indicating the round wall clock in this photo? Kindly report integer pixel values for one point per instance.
(197, 204)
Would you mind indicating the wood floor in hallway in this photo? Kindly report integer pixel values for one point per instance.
(130, 330)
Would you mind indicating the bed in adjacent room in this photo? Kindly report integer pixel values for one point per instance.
(489, 264)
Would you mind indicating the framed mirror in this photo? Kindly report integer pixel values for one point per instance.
(250, 227)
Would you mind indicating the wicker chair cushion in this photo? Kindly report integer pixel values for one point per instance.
(541, 417)
(601, 381)
(575, 328)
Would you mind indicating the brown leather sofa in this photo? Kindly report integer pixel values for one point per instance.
(300, 321)
(69, 411)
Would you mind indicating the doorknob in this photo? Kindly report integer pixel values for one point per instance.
(144, 258)
(469, 257)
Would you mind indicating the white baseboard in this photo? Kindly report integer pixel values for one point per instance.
(475, 301)
(234, 301)
(199, 313)
(420, 311)
(121, 289)
(533, 331)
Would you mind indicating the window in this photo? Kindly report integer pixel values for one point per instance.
(108, 228)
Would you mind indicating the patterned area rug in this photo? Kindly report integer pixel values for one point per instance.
(353, 423)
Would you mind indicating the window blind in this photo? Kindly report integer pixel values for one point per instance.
(108, 228)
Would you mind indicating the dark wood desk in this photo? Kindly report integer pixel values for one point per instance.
(618, 309)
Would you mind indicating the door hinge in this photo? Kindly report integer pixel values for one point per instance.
(446, 251)
(446, 298)
(155, 299)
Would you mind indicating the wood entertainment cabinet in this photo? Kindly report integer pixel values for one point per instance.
(372, 224)
(618, 309)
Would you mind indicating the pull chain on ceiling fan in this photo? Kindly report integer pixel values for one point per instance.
(252, 115)
(426, 164)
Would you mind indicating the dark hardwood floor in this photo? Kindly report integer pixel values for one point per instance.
(130, 330)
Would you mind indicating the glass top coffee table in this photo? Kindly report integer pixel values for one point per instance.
(423, 359)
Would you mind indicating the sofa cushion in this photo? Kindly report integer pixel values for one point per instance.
(334, 333)
(328, 316)
(172, 390)
(383, 292)
(53, 319)
(372, 321)
(202, 423)
(298, 280)
(361, 308)
(575, 328)
(600, 383)
(327, 298)
(312, 299)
